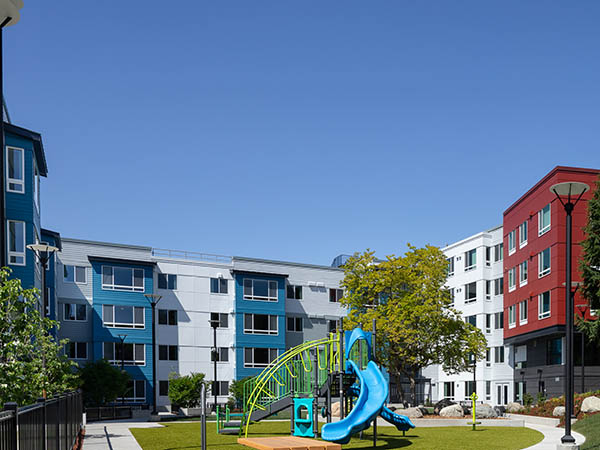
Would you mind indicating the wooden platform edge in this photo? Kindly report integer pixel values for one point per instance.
(287, 443)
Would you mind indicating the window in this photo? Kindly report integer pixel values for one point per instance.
(73, 311)
(223, 319)
(488, 323)
(498, 354)
(294, 292)
(523, 312)
(136, 391)
(512, 316)
(222, 354)
(544, 263)
(260, 324)
(167, 317)
(471, 259)
(523, 234)
(132, 354)
(544, 305)
(219, 286)
(488, 357)
(488, 390)
(450, 266)
(261, 290)
(488, 256)
(16, 243)
(451, 297)
(15, 170)
(76, 350)
(512, 279)
(471, 320)
(36, 187)
(544, 220)
(167, 352)
(335, 295)
(74, 274)
(332, 327)
(163, 388)
(449, 390)
(512, 242)
(118, 316)
(499, 320)
(498, 249)
(471, 292)
(499, 286)
(554, 351)
(294, 324)
(167, 281)
(220, 388)
(488, 289)
(122, 279)
(523, 273)
(469, 389)
(259, 357)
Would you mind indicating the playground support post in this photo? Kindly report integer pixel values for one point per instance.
(203, 415)
(341, 360)
(360, 366)
(316, 395)
(373, 342)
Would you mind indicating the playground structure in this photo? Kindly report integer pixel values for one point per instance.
(317, 369)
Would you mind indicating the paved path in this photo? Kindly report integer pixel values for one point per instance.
(552, 437)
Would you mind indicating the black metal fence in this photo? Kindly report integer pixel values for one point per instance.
(49, 424)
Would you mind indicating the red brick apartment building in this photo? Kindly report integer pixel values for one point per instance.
(534, 295)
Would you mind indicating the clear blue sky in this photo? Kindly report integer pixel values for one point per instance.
(298, 130)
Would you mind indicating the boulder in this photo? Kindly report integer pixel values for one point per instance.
(442, 404)
(413, 413)
(590, 405)
(452, 411)
(559, 411)
(335, 409)
(485, 411)
(423, 410)
(514, 407)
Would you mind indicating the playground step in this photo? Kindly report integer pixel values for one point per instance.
(232, 424)
(273, 408)
(231, 431)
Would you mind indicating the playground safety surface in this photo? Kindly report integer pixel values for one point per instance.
(287, 443)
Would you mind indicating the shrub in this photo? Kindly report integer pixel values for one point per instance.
(102, 383)
(528, 399)
(185, 391)
(236, 389)
(541, 398)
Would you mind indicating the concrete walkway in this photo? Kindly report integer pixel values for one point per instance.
(552, 437)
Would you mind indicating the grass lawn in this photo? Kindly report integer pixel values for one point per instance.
(590, 428)
(186, 436)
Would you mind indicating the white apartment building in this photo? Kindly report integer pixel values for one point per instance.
(475, 280)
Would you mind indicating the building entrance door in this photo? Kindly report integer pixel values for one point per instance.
(502, 394)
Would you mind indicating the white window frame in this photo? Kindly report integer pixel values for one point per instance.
(16, 254)
(512, 242)
(473, 266)
(470, 299)
(136, 398)
(339, 294)
(450, 266)
(498, 252)
(36, 186)
(260, 298)
(117, 287)
(75, 274)
(133, 362)
(489, 319)
(253, 365)
(499, 351)
(268, 332)
(133, 325)
(545, 314)
(16, 181)
(512, 316)
(488, 357)
(523, 313)
(219, 286)
(523, 226)
(540, 215)
(295, 288)
(77, 344)
(543, 273)
(220, 315)
(452, 389)
(523, 273)
(65, 317)
(512, 279)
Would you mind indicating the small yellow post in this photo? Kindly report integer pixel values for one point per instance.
(473, 398)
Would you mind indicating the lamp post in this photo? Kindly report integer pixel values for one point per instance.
(43, 252)
(569, 189)
(582, 310)
(9, 15)
(153, 299)
(122, 339)
(214, 323)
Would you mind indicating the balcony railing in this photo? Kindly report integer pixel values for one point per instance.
(194, 256)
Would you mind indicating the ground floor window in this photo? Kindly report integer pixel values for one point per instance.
(163, 388)
(220, 388)
(449, 390)
(554, 351)
(136, 391)
(469, 389)
(488, 390)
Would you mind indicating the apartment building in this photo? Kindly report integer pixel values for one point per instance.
(476, 284)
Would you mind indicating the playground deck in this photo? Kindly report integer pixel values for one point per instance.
(287, 443)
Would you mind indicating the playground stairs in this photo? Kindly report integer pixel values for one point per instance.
(231, 427)
(333, 383)
(273, 408)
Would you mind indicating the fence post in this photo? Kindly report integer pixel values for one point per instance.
(44, 424)
(58, 446)
(12, 406)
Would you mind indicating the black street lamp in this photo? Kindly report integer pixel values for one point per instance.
(122, 339)
(569, 189)
(153, 299)
(214, 323)
(43, 252)
(9, 15)
(582, 310)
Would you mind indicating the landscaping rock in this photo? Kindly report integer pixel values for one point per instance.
(441, 405)
(452, 411)
(590, 405)
(413, 413)
(423, 410)
(485, 411)
(514, 407)
(559, 411)
(335, 409)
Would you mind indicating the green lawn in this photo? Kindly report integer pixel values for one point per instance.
(186, 436)
(590, 428)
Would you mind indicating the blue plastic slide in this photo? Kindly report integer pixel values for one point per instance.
(402, 423)
(373, 394)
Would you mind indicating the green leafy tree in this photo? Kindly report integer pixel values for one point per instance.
(236, 390)
(102, 382)
(32, 360)
(589, 264)
(416, 324)
(185, 391)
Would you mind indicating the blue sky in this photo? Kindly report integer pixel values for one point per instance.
(300, 130)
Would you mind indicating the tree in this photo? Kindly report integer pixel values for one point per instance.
(236, 389)
(185, 391)
(589, 264)
(32, 361)
(102, 382)
(416, 324)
